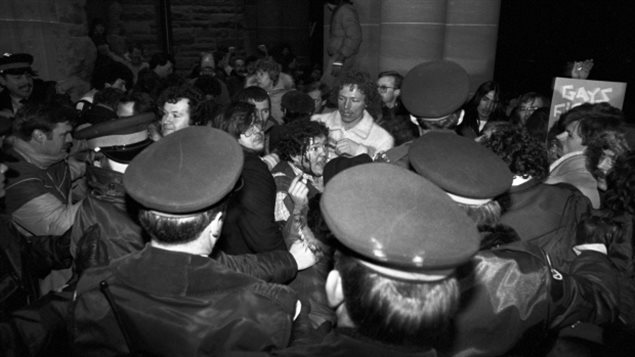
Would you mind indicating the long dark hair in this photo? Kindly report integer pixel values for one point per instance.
(471, 120)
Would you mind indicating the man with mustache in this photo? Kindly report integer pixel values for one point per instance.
(39, 180)
(19, 85)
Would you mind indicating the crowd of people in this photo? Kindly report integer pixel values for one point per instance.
(248, 210)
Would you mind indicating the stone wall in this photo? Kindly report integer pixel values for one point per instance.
(206, 25)
(54, 32)
(197, 25)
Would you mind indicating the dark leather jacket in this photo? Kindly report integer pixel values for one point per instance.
(512, 297)
(178, 304)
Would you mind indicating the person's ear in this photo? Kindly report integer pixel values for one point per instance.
(397, 92)
(38, 136)
(217, 225)
(334, 291)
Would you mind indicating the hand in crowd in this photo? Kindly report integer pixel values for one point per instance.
(303, 256)
(347, 147)
(581, 69)
(299, 193)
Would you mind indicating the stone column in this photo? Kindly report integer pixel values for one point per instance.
(399, 34)
(470, 37)
(54, 32)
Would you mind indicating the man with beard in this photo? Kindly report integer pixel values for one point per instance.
(302, 149)
(38, 191)
(16, 77)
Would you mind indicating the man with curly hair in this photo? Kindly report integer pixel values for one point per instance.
(352, 129)
(546, 215)
(179, 108)
(302, 150)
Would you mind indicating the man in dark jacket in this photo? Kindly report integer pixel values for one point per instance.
(170, 298)
(513, 297)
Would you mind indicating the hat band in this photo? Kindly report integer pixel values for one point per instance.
(15, 65)
(433, 275)
(469, 201)
(118, 140)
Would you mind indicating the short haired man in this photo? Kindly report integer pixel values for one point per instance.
(499, 313)
(144, 301)
(389, 88)
(302, 150)
(179, 108)
(260, 99)
(395, 118)
(353, 130)
(20, 87)
(39, 196)
(575, 129)
(394, 286)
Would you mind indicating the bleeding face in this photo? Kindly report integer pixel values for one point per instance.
(351, 103)
(313, 158)
(176, 116)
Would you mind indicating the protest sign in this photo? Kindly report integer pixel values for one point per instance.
(569, 93)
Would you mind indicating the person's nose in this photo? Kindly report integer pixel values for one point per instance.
(348, 104)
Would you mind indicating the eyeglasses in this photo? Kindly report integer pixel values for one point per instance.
(528, 109)
(384, 89)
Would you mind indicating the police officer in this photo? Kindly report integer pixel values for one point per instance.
(393, 286)
(171, 298)
(19, 85)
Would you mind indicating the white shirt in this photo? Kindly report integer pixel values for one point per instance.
(372, 137)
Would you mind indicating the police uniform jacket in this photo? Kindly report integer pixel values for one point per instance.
(106, 207)
(250, 226)
(511, 298)
(178, 304)
(346, 342)
(546, 215)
